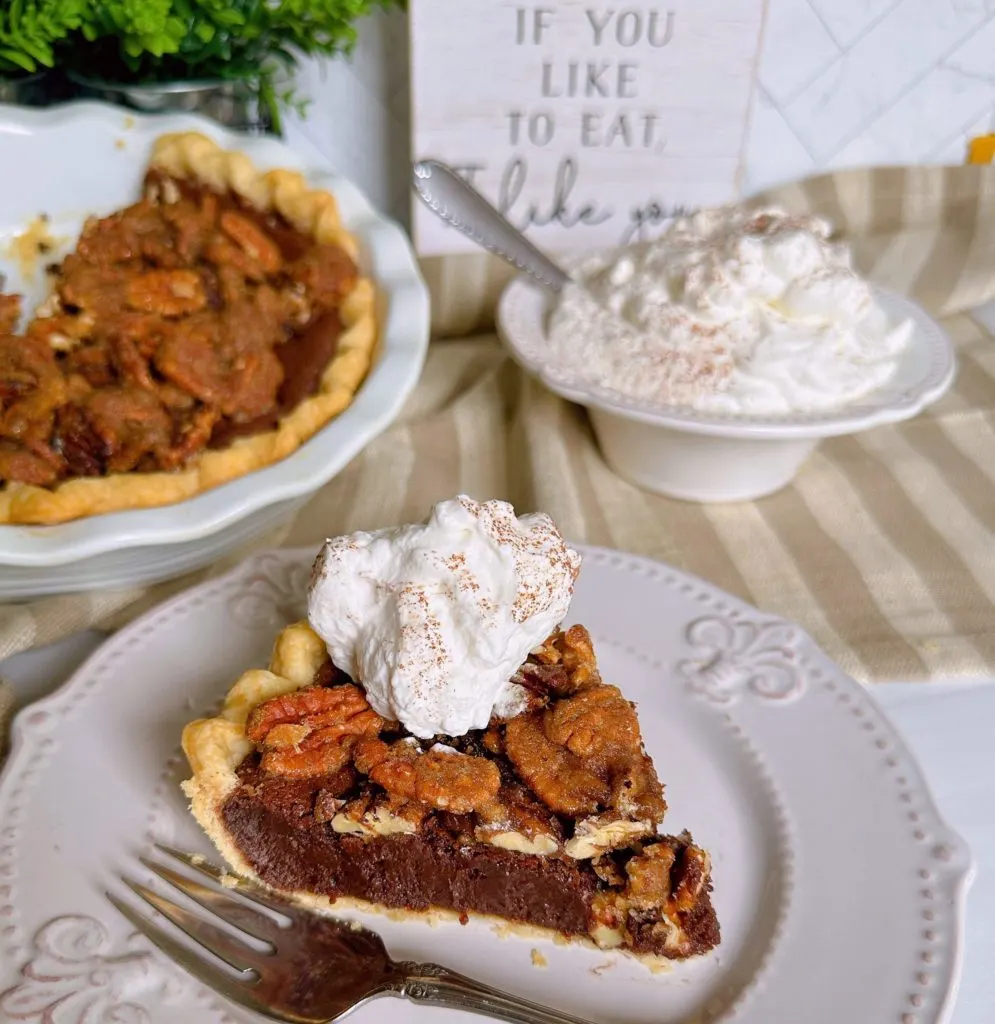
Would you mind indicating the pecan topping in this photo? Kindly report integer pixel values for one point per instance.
(649, 875)
(447, 780)
(10, 313)
(670, 874)
(651, 894)
(312, 731)
(689, 877)
(559, 778)
(166, 292)
(597, 721)
(636, 790)
(516, 810)
(578, 656)
(326, 272)
(564, 664)
(492, 741)
(584, 751)
(253, 242)
(609, 872)
(130, 422)
(182, 321)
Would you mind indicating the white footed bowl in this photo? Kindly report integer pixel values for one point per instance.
(682, 453)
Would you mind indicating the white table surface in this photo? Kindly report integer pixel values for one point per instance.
(950, 726)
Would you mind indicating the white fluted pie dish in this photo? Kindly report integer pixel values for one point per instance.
(79, 159)
(682, 453)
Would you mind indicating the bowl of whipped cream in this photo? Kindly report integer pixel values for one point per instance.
(713, 359)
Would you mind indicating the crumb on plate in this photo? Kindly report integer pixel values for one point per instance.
(35, 241)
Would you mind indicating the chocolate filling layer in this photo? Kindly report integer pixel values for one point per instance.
(272, 822)
(291, 850)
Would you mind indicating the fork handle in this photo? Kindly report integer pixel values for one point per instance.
(438, 986)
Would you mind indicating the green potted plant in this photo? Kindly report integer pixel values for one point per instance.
(223, 58)
(30, 31)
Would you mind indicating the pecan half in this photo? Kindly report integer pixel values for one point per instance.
(585, 752)
(558, 777)
(597, 721)
(252, 241)
(444, 779)
(312, 731)
(578, 656)
(166, 292)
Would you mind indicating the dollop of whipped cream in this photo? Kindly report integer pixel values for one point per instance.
(434, 619)
(731, 310)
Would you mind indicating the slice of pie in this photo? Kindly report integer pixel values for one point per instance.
(546, 816)
(203, 332)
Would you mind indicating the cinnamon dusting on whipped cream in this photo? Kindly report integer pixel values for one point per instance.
(433, 619)
(731, 310)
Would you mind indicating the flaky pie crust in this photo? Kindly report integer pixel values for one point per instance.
(215, 747)
(311, 211)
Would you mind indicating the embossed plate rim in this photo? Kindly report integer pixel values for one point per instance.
(753, 672)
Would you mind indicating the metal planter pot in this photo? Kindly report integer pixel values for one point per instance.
(26, 90)
(233, 104)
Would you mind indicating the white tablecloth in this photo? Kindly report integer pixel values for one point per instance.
(949, 726)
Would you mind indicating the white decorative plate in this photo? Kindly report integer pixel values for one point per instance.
(839, 889)
(70, 161)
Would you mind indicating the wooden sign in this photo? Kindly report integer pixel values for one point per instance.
(586, 124)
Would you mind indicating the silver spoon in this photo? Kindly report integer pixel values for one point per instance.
(459, 204)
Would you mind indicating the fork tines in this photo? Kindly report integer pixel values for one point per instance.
(244, 957)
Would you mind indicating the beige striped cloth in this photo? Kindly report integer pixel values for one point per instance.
(884, 547)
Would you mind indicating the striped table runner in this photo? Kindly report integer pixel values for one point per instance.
(884, 548)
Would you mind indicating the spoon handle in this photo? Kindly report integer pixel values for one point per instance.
(459, 204)
(433, 985)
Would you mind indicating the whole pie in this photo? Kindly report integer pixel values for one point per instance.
(547, 819)
(201, 333)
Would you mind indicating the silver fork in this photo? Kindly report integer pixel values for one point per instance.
(307, 968)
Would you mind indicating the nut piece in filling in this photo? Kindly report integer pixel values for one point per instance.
(547, 816)
(197, 318)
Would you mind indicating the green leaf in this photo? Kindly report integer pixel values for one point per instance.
(148, 41)
(19, 60)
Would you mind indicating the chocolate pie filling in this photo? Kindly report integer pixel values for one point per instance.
(273, 823)
(184, 321)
